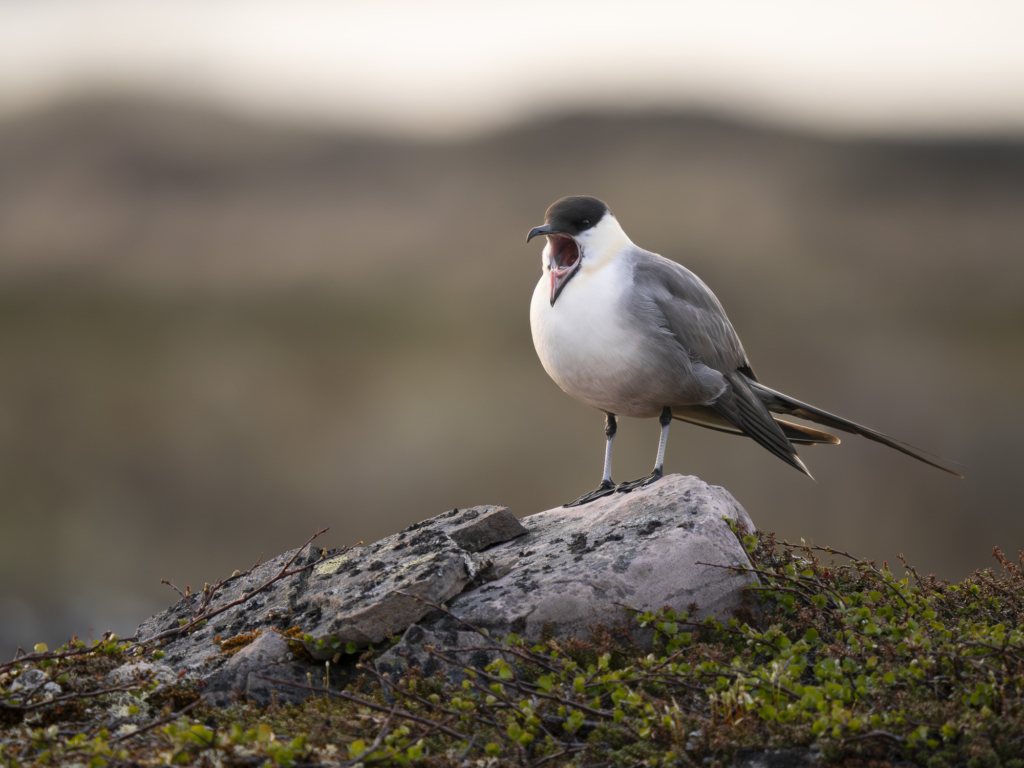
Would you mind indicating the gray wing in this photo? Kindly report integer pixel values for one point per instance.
(688, 309)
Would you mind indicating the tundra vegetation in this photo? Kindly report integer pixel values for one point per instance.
(855, 663)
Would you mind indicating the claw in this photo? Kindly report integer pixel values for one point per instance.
(607, 488)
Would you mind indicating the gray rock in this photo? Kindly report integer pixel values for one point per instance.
(431, 560)
(566, 571)
(346, 597)
(266, 651)
(480, 527)
(578, 567)
(412, 650)
(33, 683)
(261, 691)
(277, 607)
(140, 669)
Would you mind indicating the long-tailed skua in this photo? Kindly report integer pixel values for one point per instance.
(631, 333)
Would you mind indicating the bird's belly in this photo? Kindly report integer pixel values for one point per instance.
(593, 355)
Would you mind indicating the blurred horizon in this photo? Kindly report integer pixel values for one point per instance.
(944, 68)
(265, 272)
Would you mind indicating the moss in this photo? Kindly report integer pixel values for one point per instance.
(233, 645)
(868, 667)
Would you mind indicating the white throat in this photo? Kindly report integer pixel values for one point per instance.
(602, 243)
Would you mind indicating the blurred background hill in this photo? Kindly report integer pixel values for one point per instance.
(219, 331)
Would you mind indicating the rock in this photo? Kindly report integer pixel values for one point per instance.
(261, 657)
(565, 571)
(346, 597)
(141, 669)
(430, 560)
(578, 567)
(411, 650)
(261, 691)
(197, 653)
(480, 527)
(32, 683)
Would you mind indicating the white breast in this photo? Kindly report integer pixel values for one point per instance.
(583, 341)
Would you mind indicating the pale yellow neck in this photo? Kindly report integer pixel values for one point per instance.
(603, 244)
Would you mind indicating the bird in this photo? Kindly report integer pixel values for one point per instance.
(634, 334)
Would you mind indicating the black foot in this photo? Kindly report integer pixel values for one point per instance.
(632, 485)
(607, 488)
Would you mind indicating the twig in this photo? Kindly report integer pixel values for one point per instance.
(205, 614)
(408, 694)
(363, 702)
(834, 596)
(157, 723)
(184, 597)
(876, 735)
(571, 751)
(504, 649)
(515, 685)
(376, 743)
(26, 658)
(67, 697)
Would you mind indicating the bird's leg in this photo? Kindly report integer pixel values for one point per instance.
(665, 420)
(607, 486)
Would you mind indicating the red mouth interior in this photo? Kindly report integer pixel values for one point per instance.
(564, 251)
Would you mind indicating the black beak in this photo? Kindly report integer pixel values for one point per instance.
(542, 230)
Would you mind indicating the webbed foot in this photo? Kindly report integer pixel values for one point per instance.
(632, 485)
(607, 488)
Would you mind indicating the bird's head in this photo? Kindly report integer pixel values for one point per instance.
(576, 227)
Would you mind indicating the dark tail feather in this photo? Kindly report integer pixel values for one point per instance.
(706, 416)
(742, 408)
(798, 434)
(780, 403)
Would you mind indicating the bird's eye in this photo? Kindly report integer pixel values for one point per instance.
(585, 222)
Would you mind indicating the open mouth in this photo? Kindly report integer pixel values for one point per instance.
(564, 252)
(565, 260)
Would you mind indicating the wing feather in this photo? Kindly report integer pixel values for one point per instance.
(691, 313)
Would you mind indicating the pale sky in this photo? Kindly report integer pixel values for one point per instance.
(869, 66)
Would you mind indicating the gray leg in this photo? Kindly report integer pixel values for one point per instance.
(610, 426)
(607, 486)
(665, 420)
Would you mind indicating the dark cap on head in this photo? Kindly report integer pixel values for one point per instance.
(575, 214)
(570, 216)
